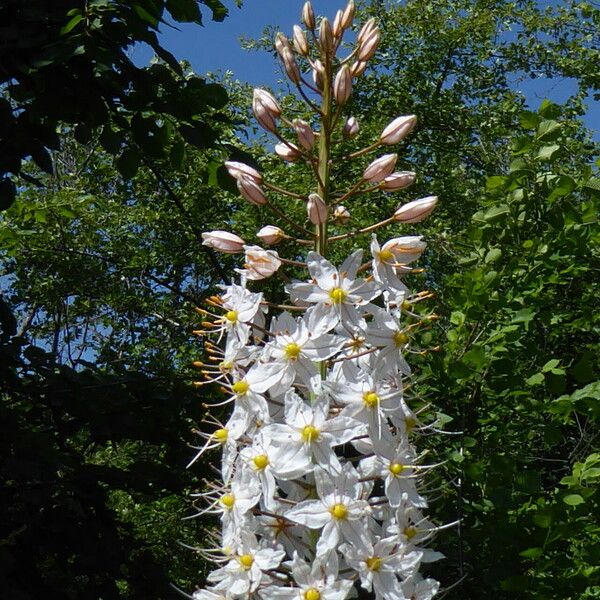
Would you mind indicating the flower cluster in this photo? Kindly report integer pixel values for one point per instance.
(321, 484)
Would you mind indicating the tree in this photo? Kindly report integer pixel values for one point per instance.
(66, 62)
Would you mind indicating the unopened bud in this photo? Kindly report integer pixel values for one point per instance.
(342, 86)
(348, 15)
(398, 129)
(281, 43)
(350, 128)
(267, 100)
(341, 215)
(308, 15)
(316, 209)
(260, 263)
(358, 68)
(238, 169)
(398, 181)
(287, 152)
(290, 65)
(380, 168)
(369, 45)
(416, 211)
(306, 136)
(366, 29)
(325, 36)
(300, 41)
(318, 74)
(271, 235)
(251, 191)
(337, 28)
(265, 118)
(223, 241)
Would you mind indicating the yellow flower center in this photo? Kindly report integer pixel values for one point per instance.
(410, 532)
(396, 468)
(310, 433)
(410, 423)
(231, 316)
(371, 399)
(246, 560)
(385, 255)
(374, 563)
(339, 511)
(221, 435)
(405, 305)
(292, 351)
(400, 338)
(261, 461)
(338, 295)
(312, 594)
(228, 500)
(240, 387)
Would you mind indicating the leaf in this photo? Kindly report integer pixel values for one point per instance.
(185, 11)
(129, 163)
(493, 255)
(550, 365)
(8, 192)
(495, 182)
(71, 24)
(536, 379)
(547, 128)
(457, 318)
(492, 214)
(177, 155)
(547, 152)
(573, 500)
(42, 159)
(531, 553)
(199, 135)
(215, 95)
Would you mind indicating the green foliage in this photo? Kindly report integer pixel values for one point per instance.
(67, 62)
(517, 374)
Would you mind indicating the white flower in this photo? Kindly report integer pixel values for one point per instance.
(387, 333)
(297, 350)
(380, 565)
(338, 294)
(319, 581)
(259, 263)
(340, 510)
(245, 571)
(307, 437)
(417, 588)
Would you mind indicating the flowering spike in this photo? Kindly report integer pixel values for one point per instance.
(322, 486)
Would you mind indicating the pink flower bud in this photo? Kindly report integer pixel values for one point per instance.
(342, 86)
(341, 215)
(251, 191)
(348, 15)
(398, 181)
(260, 263)
(300, 41)
(267, 100)
(337, 28)
(281, 43)
(368, 46)
(350, 128)
(325, 36)
(416, 211)
(223, 241)
(289, 153)
(398, 129)
(380, 168)
(308, 15)
(264, 117)
(306, 136)
(238, 169)
(271, 235)
(358, 68)
(316, 209)
(366, 29)
(318, 74)
(290, 65)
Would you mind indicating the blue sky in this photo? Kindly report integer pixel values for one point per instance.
(216, 47)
